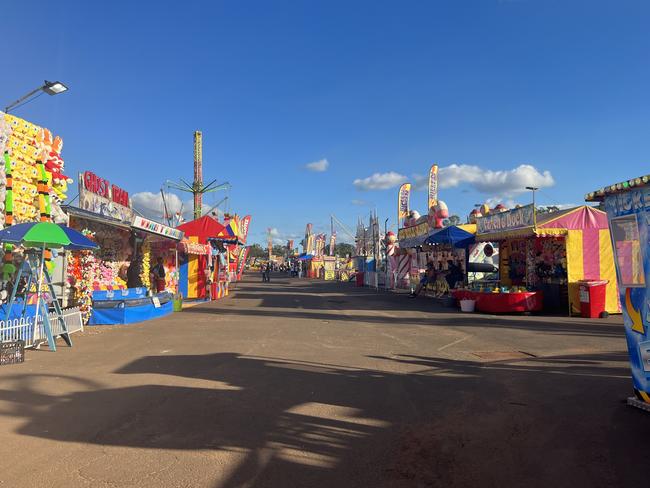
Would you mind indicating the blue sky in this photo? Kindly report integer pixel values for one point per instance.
(370, 86)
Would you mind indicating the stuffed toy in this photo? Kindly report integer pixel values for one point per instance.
(437, 214)
(146, 264)
(44, 206)
(5, 132)
(9, 194)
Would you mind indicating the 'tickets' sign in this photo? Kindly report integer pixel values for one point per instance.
(103, 188)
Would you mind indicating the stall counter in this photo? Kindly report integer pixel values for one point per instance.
(489, 302)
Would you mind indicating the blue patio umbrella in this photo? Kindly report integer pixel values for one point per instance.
(453, 235)
(78, 241)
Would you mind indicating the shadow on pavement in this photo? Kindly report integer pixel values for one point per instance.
(535, 423)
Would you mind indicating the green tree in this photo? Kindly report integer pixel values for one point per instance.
(257, 251)
(452, 220)
(343, 249)
(547, 209)
(279, 250)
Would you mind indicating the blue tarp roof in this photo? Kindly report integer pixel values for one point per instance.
(413, 241)
(453, 235)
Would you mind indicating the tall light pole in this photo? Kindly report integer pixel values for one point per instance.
(533, 189)
(50, 87)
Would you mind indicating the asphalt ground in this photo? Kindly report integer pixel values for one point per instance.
(299, 383)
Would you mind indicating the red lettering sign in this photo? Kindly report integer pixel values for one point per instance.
(120, 196)
(103, 188)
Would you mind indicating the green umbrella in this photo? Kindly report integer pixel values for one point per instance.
(41, 235)
(35, 234)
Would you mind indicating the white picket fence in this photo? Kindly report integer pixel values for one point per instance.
(23, 329)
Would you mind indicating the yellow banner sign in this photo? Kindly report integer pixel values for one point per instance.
(415, 231)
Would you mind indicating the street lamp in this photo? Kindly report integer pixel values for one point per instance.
(50, 87)
(533, 189)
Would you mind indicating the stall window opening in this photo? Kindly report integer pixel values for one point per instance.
(627, 249)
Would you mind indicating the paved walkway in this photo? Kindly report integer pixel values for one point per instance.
(312, 384)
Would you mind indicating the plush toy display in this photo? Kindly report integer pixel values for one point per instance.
(146, 264)
(34, 173)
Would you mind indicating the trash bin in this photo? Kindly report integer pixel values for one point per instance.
(592, 298)
(359, 278)
(177, 303)
(467, 305)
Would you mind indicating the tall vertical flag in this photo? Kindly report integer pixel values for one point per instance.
(433, 186)
(403, 203)
(270, 241)
(243, 228)
(308, 243)
(332, 243)
(243, 254)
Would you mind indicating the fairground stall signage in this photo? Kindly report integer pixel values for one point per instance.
(415, 231)
(156, 228)
(97, 195)
(499, 222)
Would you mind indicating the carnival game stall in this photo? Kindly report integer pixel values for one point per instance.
(147, 295)
(198, 270)
(232, 240)
(543, 258)
(628, 209)
(104, 270)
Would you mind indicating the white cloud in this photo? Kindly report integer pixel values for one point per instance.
(380, 181)
(279, 237)
(501, 184)
(359, 203)
(420, 182)
(318, 166)
(494, 201)
(150, 205)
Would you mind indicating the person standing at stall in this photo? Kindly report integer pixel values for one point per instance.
(158, 274)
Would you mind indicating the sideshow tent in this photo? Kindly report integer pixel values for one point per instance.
(193, 263)
(589, 254)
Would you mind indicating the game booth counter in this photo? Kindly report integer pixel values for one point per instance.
(114, 284)
(545, 259)
(150, 289)
(233, 240)
(205, 264)
(627, 205)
